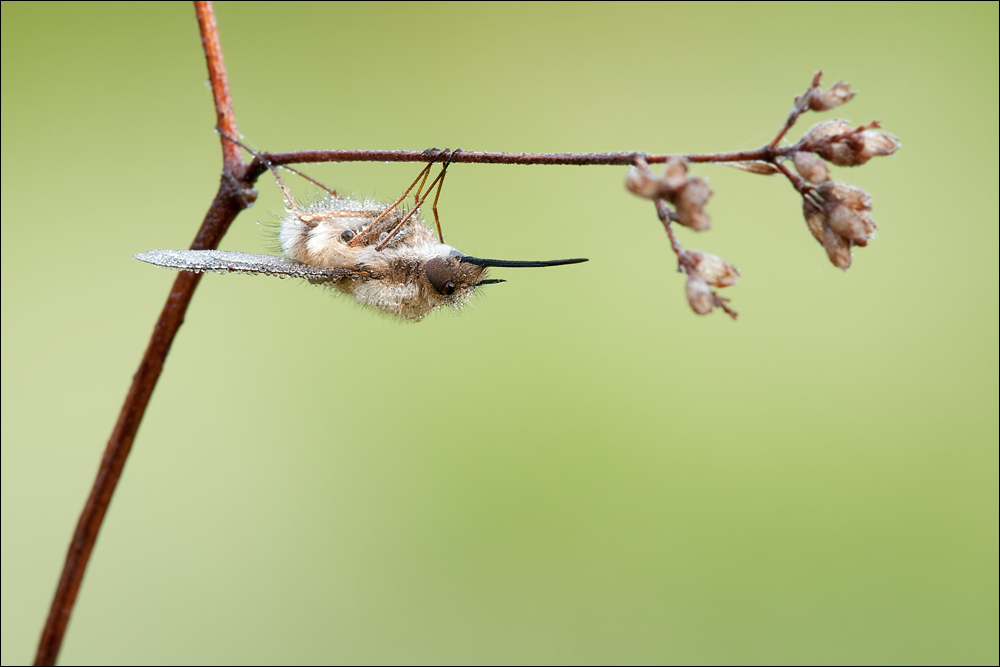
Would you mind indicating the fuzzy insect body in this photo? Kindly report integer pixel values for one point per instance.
(392, 273)
(384, 256)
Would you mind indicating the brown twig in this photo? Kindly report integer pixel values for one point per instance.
(235, 193)
(799, 107)
(225, 117)
(800, 184)
(258, 167)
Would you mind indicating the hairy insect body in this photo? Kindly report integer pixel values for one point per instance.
(393, 279)
(385, 257)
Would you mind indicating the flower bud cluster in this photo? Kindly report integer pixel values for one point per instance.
(841, 220)
(688, 194)
(838, 215)
(837, 142)
(705, 269)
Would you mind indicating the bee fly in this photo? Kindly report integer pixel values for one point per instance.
(384, 256)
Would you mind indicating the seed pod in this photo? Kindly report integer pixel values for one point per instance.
(838, 249)
(643, 183)
(846, 208)
(837, 94)
(844, 152)
(675, 174)
(841, 153)
(811, 167)
(755, 167)
(699, 296)
(815, 219)
(688, 194)
(848, 223)
(690, 201)
(853, 149)
(715, 271)
(874, 143)
(856, 198)
(827, 128)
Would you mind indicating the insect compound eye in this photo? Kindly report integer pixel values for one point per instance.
(441, 275)
(347, 235)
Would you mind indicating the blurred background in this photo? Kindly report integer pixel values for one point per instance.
(576, 468)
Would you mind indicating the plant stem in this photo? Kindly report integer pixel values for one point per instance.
(258, 167)
(234, 194)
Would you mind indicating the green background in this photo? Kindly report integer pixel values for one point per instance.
(574, 469)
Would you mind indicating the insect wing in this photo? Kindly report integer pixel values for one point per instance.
(222, 261)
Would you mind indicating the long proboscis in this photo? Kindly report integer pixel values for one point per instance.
(519, 264)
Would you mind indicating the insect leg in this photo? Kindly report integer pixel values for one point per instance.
(439, 180)
(434, 206)
(311, 180)
(284, 188)
(367, 230)
(425, 172)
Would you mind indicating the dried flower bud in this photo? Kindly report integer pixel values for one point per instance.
(838, 249)
(713, 269)
(851, 150)
(675, 175)
(810, 167)
(694, 218)
(643, 183)
(840, 152)
(755, 167)
(690, 201)
(828, 128)
(837, 94)
(875, 143)
(856, 198)
(846, 208)
(688, 194)
(815, 219)
(699, 296)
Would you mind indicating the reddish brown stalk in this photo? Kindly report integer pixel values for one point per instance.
(667, 217)
(235, 193)
(225, 117)
(800, 106)
(258, 167)
(800, 184)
